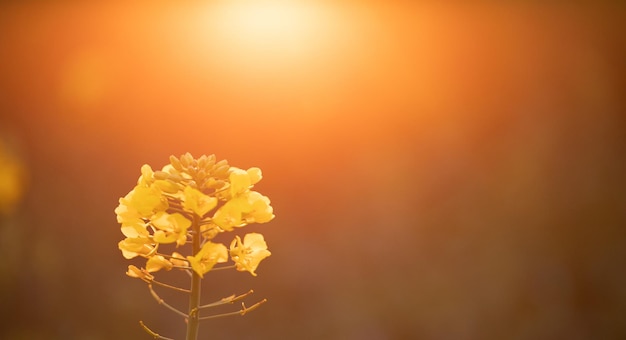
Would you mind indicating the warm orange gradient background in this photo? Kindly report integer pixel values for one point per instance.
(437, 172)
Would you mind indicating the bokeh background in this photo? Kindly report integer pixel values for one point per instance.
(437, 172)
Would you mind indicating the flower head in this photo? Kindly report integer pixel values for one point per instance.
(193, 199)
(185, 205)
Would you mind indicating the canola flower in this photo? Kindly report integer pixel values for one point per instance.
(172, 217)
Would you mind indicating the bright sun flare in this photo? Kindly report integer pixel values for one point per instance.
(267, 29)
(264, 20)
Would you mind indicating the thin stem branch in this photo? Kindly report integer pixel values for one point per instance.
(181, 267)
(230, 299)
(173, 257)
(162, 302)
(171, 287)
(225, 267)
(152, 333)
(189, 272)
(243, 311)
(206, 221)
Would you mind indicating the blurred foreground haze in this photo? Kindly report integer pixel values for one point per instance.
(452, 172)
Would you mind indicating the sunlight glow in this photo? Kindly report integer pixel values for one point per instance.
(270, 31)
(265, 20)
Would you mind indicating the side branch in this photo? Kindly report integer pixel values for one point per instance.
(171, 287)
(152, 333)
(222, 268)
(162, 302)
(228, 299)
(243, 311)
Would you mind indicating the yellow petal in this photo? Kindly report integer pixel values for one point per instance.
(178, 260)
(228, 216)
(261, 211)
(170, 222)
(210, 254)
(248, 254)
(166, 186)
(254, 241)
(144, 200)
(156, 263)
(124, 213)
(139, 273)
(239, 181)
(133, 271)
(134, 246)
(134, 228)
(180, 222)
(197, 202)
(255, 175)
(162, 237)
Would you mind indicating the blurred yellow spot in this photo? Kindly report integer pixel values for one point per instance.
(11, 180)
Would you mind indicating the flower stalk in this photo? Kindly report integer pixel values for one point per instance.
(194, 297)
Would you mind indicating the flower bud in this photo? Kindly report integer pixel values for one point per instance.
(186, 160)
(161, 175)
(176, 163)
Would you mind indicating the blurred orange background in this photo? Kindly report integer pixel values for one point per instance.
(437, 172)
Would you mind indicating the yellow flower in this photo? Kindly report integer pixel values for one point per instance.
(249, 253)
(197, 202)
(250, 207)
(239, 181)
(144, 201)
(242, 180)
(135, 230)
(229, 215)
(132, 224)
(135, 246)
(139, 273)
(260, 210)
(156, 263)
(210, 254)
(255, 175)
(171, 228)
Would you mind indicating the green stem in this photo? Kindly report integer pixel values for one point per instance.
(194, 298)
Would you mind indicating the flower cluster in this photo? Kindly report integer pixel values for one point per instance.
(193, 200)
